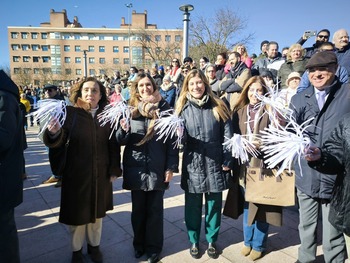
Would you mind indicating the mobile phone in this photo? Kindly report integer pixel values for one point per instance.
(310, 33)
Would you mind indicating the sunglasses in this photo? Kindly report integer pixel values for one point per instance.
(48, 90)
(322, 36)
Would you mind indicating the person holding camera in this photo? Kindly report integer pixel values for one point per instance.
(321, 37)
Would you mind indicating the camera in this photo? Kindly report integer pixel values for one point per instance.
(310, 33)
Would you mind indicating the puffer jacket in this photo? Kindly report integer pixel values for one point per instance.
(144, 166)
(304, 105)
(336, 160)
(204, 154)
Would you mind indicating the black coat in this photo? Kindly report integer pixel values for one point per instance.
(336, 160)
(304, 104)
(92, 158)
(11, 145)
(204, 154)
(144, 166)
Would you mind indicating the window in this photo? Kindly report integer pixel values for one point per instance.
(26, 70)
(17, 70)
(101, 48)
(101, 37)
(102, 60)
(158, 38)
(15, 47)
(43, 35)
(68, 71)
(77, 36)
(35, 47)
(66, 48)
(77, 48)
(24, 35)
(14, 35)
(55, 50)
(91, 37)
(167, 38)
(126, 61)
(66, 36)
(57, 35)
(78, 60)
(36, 71)
(92, 72)
(177, 38)
(91, 60)
(78, 72)
(115, 60)
(26, 59)
(125, 37)
(36, 59)
(45, 48)
(34, 35)
(102, 72)
(115, 49)
(25, 47)
(115, 37)
(177, 50)
(91, 49)
(46, 59)
(37, 82)
(46, 70)
(126, 49)
(67, 60)
(15, 58)
(148, 38)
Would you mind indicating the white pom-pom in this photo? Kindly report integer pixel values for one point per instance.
(240, 148)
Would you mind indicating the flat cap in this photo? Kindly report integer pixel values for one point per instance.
(322, 59)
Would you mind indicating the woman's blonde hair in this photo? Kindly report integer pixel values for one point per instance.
(243, 99)
(220, 109)
(294, 46)
(245, 53)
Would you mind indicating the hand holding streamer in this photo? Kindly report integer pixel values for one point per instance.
(240, 148)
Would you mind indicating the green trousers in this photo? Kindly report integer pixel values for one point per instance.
(193, 215)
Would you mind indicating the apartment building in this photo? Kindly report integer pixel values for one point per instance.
(64, 50)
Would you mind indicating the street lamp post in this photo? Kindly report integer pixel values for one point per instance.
(85, 63)
(186, 9)
(129, 6)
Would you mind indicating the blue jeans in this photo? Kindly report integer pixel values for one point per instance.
(255, 235)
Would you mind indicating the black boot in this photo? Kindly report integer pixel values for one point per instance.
(77, 257)
(95, 254)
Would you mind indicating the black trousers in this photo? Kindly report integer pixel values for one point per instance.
(9, 248)
(147, 220)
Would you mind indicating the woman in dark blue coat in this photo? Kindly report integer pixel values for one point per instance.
(148, 166)
(206, 164)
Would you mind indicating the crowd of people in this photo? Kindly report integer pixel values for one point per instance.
(214, 100)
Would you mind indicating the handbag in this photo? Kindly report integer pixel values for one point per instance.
(234, 203)
(264, 187)
(58, 156)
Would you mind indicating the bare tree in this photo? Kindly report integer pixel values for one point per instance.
(210, 36)
(154, 49)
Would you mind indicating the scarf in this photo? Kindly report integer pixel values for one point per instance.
(199, 102)
(149, 108)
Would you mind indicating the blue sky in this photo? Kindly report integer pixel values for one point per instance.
(280, 20)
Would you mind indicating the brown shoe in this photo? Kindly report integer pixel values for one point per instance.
(245, 251)
(50, 180)
(254, 255)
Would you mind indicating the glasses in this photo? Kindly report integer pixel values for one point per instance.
(322, 36)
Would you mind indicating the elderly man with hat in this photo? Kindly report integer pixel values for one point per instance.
(322, 104)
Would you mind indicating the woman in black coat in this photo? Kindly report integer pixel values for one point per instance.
(148, 166)
(206, 164)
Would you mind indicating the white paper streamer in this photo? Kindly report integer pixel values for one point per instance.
(282, 145)
(240, 148)
(168, 125)
(50, 110)
(113, 113)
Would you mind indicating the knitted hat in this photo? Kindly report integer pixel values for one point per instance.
(263, 43)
